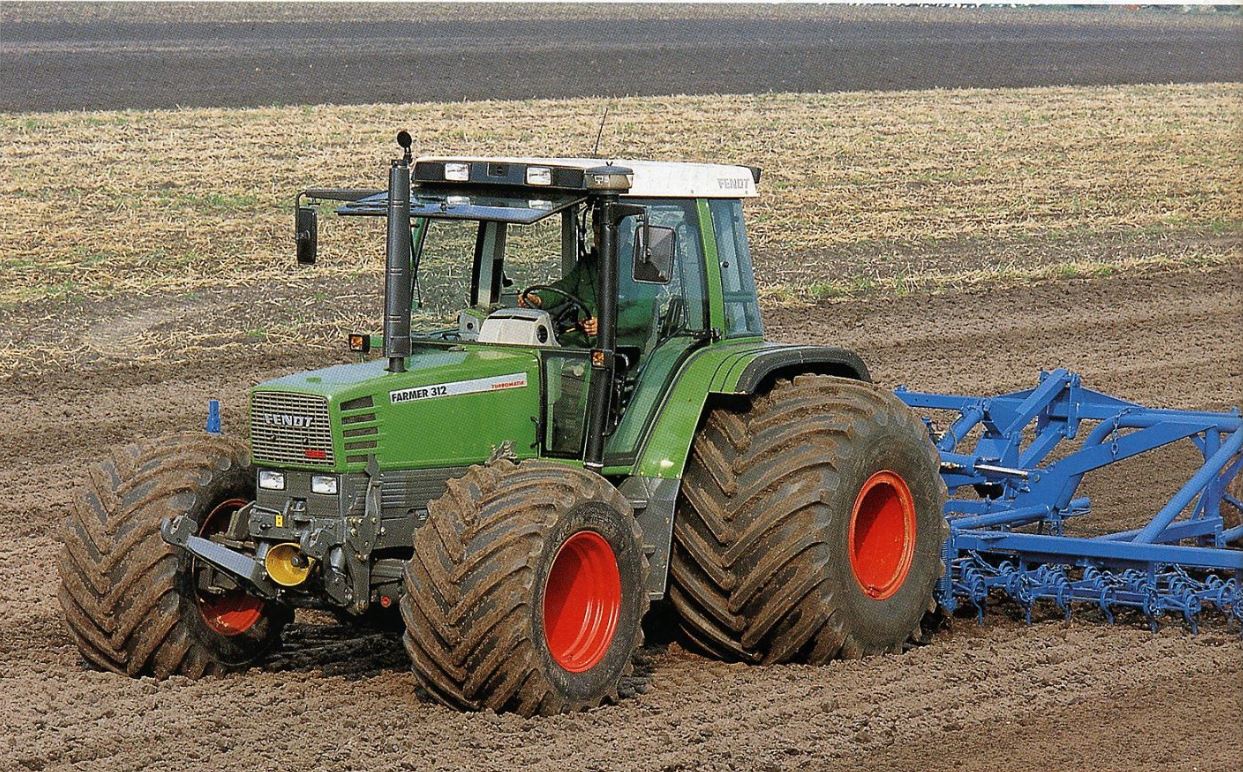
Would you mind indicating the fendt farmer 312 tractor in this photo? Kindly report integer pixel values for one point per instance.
(520, 488)
(537, 460)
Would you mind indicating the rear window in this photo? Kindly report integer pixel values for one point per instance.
(742, 312)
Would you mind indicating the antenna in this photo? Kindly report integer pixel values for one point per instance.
(596, 148)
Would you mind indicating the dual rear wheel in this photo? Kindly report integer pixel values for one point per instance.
(810, 525)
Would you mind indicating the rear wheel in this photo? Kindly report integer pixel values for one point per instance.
(133, 604)
(526, 590)
(810, 525)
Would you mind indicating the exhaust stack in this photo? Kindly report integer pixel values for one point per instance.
(398, 274)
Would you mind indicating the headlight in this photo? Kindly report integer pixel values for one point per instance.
(324, 483)
(458, 172)
(270, 480)
(539, 175)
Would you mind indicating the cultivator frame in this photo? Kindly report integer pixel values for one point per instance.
(1012, 537)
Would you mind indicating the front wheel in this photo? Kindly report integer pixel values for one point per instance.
(526, 591)
(132, 603)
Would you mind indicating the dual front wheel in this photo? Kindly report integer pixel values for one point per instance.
(526, 590)
(132, 604)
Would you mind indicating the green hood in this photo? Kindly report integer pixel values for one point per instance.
(452, 407)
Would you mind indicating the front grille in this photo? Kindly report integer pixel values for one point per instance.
(359, 429)
(290, 428)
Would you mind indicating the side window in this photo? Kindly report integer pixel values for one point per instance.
(567, 380)
(679, 306)
(742, 312)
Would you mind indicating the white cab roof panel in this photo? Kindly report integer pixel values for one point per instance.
(652, 179)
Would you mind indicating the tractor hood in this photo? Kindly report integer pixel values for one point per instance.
(451, 407)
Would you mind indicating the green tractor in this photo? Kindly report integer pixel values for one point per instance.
(530, 461)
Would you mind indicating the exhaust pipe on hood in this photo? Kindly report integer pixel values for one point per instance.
(398, 274)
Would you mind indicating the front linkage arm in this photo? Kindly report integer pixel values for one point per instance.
(180, 532)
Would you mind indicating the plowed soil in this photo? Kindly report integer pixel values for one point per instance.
(999, 695)
(106, 55)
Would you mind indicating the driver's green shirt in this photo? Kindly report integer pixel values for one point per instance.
(634, 315)
(580, 282)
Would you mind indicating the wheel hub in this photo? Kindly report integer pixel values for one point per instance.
(881, 538)
(232, 612)
(582, 602)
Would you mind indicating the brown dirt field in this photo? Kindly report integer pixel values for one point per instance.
(1052, 695)
(109, 55)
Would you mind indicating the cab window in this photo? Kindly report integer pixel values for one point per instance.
(742, 312)
(648, 314)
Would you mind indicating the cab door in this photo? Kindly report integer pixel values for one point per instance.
(659, 324)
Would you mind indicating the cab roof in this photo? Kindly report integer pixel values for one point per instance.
(652, 179)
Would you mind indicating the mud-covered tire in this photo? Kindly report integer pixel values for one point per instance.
(764, 537)
(129, 599)
(476, 589)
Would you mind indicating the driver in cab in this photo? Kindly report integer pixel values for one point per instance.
(582, 282)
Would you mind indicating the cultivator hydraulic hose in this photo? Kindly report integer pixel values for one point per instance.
(1011, 535)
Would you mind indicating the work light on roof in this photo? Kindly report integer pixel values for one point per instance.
(457, 171)
(539, 175)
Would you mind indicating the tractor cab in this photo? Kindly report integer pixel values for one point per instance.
(598, 269)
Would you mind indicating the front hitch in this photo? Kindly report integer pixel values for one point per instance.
(180, 532)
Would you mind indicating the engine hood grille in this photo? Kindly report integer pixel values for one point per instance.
(290, 428)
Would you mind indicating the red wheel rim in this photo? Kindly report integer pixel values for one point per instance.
(882, 535)
(234, 612)
(582, 602)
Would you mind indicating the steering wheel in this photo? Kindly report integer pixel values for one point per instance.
(568, 317)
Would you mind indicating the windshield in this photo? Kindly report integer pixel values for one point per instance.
(502, 257)
(474, 268)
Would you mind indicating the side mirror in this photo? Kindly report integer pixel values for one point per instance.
(653, 253)
(306, 233)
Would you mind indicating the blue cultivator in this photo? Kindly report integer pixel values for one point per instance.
(1011, 537)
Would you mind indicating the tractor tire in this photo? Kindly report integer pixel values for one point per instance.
(809, 526)
(526, 591)
(130, 600)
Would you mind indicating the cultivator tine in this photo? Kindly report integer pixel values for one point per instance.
(1014, 542)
